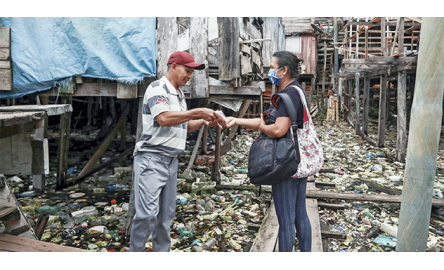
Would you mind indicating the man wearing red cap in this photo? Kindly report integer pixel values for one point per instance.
(166, 122)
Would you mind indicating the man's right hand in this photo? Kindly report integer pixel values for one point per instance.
(208, 114)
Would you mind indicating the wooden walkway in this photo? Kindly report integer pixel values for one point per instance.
(11, 243)
(267, 237)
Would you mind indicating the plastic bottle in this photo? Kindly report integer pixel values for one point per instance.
(218, 198)
(389, 229)
(254, 207)
(49, 210)
(31, 193)
(114, 235)
(209, 243)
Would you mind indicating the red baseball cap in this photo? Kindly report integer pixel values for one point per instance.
(184, 58)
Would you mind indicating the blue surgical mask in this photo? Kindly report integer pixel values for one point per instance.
(272, 76)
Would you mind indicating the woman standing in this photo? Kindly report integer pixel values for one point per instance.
(289, 195)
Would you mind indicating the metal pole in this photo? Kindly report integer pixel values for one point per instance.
(423, 142)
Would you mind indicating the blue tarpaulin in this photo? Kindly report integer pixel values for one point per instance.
(47, 52)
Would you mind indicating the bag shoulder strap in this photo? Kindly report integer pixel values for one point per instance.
(289, 105)
(307, 116)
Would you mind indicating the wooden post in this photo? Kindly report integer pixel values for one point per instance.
(340, 92)
(382, 110)
(324, 73)
(401, 140)
(425, 129)
(205, 141)
(396, 35)
(401, 35)
(64, 132)
(388, 98)
(38, 178)
(383, 40)
(199, 51)
(131, 208)
(310, 95)
(366, 104)
(166, 42)
(229, 60)
(358, 109)
(215, 174)
(335, 44)
(366, 42)
(350, 91)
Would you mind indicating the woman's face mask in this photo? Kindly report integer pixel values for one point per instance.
(272, 76)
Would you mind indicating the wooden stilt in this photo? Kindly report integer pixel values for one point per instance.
(64, 133)
(382, 110)
(358, 108)
(366, 104)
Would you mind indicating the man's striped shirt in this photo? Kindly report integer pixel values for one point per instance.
(161, 96)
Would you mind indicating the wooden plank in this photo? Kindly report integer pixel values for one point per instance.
(6, 79)
(246, 67)
(416, 19)
(317, 194)
(332, 206)
(383, 38)
(5, 53)
(229, 62)
(381, 60)
(5, 37)
(49, 109)
(382, 110)
(401, 139)
(253, 89)
(62, 153)
(366, 104)
(267, 236)
(401, 35)
(358, 107)
(199, 51)
(336, 235)
(167, 30)
(20, 244)
(126, 91)
(40, 156)
(313, 216)
(105, 89)
(5, 64)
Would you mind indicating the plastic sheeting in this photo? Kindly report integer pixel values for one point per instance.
(47, 52)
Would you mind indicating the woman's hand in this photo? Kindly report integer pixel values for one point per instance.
(231, 121)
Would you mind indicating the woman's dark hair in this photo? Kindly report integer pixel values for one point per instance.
(289, 60)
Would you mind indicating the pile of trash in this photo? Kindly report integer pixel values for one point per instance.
(222, 218)
(93, 214)
(354, 166)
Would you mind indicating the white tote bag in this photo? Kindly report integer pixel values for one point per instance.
(310, 149)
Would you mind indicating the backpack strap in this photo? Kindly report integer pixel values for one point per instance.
(289, 105)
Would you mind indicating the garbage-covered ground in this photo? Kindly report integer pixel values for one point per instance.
(93, 214)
